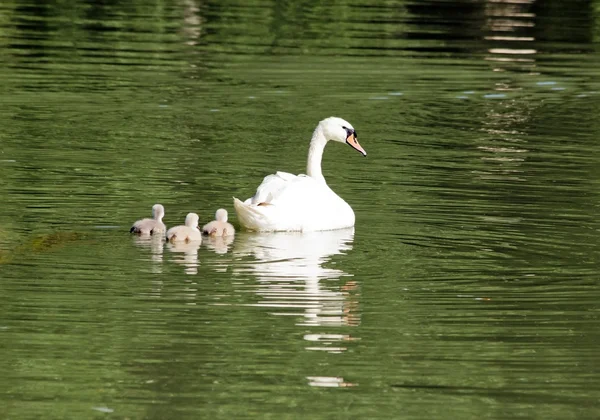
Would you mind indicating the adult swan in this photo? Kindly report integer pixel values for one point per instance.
(286, 202)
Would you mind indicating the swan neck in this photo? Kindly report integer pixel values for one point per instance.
(315, 154)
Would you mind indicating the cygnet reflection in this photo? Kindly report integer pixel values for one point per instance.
(186, 254)
(155, 244)
(219, 244)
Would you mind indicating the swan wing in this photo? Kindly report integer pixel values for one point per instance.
(272, 187)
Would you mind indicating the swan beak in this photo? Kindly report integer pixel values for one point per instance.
(353, 142)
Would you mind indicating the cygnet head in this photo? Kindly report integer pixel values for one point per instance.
(191, 220)
(340, 130)
(158, 212)
(221, 215)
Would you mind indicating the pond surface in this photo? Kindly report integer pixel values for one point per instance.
(467, 289)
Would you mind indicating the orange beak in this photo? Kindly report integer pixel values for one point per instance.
(353, 142)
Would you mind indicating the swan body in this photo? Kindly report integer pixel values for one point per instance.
(186, 233)
(219, 226)
(152, 226)
(287, 202)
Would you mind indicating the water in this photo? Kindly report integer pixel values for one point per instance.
(468, 288)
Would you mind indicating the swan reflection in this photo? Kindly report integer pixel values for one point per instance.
(289, 267)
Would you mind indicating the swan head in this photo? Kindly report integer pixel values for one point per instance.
(191, 220)
(158, 212)
(340, 130)
(221, 215)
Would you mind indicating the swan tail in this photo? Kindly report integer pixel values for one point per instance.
(249, 216)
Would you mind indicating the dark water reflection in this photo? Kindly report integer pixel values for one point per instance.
(468, 288)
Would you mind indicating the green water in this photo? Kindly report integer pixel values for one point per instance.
(468, 288)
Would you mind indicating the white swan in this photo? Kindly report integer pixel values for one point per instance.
(187, 233)
(152, 226)
(286, 202)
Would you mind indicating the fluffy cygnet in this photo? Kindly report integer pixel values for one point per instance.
(188, 232)
(219, 227)
(152, 226)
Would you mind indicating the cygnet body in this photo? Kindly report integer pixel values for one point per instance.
(219, 226)
(186, 233)
(154, 226)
